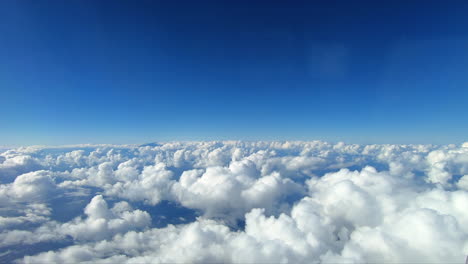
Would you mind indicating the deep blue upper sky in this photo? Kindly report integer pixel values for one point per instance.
(137, 71)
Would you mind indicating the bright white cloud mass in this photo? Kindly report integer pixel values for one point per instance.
(234, 202)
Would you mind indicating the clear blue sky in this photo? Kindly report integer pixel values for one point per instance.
(138, 71)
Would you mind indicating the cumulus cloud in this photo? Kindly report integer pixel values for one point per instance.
(29, 187)
(257, 202)
(101, 222)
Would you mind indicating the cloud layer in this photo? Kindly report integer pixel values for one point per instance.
(238, 202)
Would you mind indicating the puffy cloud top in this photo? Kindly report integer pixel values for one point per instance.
(256, 202)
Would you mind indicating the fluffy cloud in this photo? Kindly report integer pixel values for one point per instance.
(102, 222)
(29, 187)
(257, 202)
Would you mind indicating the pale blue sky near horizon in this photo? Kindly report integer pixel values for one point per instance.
(135, 72)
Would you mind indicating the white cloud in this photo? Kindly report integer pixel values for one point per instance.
(29, 187)
(102, 222)
(300, 202)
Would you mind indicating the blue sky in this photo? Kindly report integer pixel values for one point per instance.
(132, 72)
